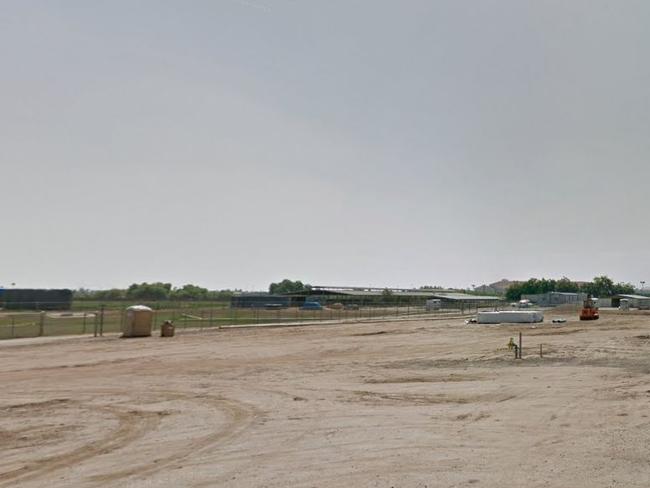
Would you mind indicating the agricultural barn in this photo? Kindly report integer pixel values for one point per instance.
(393, 296)
(35, 299)
(463, 300)
(636, 301)
(555, 298)
(258, 300)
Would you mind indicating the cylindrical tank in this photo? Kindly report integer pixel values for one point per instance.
(139, 321)
(625, 304)
(167, 329)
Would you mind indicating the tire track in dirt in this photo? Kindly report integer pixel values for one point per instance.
(240, 417)
(132, 425)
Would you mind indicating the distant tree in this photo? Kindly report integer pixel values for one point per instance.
(110, 295)
(189, 292)
(104, 295)
(220, 295)
(149, 291)
(566, 285)
(83, 294)
(288, 286)
(601, 286)
(154, 291)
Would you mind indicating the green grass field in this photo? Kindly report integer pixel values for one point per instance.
(84, 318)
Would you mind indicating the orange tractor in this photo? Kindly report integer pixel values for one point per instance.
(589, 309)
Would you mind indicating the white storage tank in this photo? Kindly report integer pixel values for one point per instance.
(138, 322)
(510, 317)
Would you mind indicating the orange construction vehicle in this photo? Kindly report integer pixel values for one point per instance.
(589, 309)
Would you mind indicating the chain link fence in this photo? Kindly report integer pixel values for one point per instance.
(88, 318)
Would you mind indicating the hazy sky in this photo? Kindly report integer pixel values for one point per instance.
(388, 143)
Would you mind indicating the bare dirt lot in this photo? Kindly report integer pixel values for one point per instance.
(393, 404)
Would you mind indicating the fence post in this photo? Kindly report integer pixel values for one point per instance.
(84, 323)
(41, 324)
(101, 320)
(13, 326)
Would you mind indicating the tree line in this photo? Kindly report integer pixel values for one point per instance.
(155, 291)
(601, 286)
(159, 291)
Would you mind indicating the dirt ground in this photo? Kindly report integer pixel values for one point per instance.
(395, 404)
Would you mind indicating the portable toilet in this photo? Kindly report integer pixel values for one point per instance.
(139, 321)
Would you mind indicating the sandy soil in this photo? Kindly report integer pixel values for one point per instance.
(393, 404)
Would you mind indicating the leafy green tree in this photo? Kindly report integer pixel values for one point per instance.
(624, 289)
(149, 291)
(565, 285)
(220, 295)
(189, 292)
(288, 286)
(113, 294)
(601, 286)
(108, 295)
(82, 294)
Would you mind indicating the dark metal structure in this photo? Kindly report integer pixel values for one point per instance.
(259, 300)
(389, 296)
(35, 299)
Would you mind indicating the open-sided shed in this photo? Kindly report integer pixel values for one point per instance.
(636, 301)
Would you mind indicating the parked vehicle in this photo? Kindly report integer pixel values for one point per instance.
(311, 306)
(351, 306)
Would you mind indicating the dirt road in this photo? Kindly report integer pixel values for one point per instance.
(397, 404)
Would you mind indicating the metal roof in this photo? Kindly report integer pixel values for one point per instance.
(633, 297)
(379, 289)
(366, 293)
(463, 297)
(395, 292)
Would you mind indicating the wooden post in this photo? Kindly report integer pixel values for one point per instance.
(101, 321)
(520, 349)
(41, 324)
(541, 354)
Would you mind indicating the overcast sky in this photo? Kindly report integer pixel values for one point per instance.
(388, 143)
